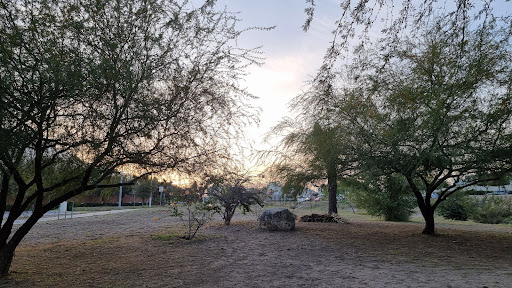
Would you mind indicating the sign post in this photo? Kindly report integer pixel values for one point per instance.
(161, 190)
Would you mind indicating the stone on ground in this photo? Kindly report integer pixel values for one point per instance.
(277, 219)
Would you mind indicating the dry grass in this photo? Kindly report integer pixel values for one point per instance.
(133, 250)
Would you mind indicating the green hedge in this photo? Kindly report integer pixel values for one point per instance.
(474, 192)
(493, 210)
(457, 207)
(489, 209)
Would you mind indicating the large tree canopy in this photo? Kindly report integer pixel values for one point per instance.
(435, 110)
(87, 87)
(360, 22)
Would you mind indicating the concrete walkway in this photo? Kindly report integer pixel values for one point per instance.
(53, 216)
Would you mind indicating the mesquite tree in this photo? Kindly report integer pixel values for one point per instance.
(308, 155)
(88, 87)
(360, 21)
(434, 110)
(313, 147)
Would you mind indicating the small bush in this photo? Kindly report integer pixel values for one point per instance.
(191, 211)
(493, 210)
(474, 192)
(231, 197)
(457, 207)
(386, 196)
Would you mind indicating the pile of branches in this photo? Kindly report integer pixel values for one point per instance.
(325, 218)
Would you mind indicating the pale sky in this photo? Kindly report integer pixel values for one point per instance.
(292, 55)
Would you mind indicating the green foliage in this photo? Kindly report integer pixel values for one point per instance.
(231, 197)
(90, 87)
(146, 187)
(193, 214)
(294, 180)
(433, 106)
(493, 210)
(458, 206)
(228, 188)
(321, 144)
(312, 154)
(504, 179)
(489, 209)
(473, 192)
(105, 193)
(385, 196)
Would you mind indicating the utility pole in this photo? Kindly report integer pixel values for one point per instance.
(120, 192)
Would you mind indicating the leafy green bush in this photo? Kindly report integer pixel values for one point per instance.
(458, 206)
(474, 192)
(397, 208)
(231, 197)
(493, 210)
(385, 196)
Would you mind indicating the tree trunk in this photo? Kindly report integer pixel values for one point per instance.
(228, 214)
(332, 184)
(427, 212)
(7, 248)
(429, 222)
(6, 256)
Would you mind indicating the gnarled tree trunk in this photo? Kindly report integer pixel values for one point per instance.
(8, 246)
(6, 256)
(429, 223)
(427, 211)
(332, 183)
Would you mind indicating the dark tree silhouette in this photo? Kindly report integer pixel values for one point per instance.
(88, 87)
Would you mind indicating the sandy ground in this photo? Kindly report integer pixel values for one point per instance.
(133, 250)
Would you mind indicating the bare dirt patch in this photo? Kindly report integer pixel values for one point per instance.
(133, 250)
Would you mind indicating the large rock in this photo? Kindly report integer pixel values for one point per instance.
(277, 219)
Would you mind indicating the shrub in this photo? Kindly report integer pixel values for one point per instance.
(192, 213)
(458, 206)
(386, 196)
(394, 207)
(474, 192)
(232, 197)
(493, 210)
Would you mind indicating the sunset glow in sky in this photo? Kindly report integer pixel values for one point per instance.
(292, 55)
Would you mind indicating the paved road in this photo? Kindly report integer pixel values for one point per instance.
(52, 215)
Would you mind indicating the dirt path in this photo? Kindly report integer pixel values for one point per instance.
(120, 251)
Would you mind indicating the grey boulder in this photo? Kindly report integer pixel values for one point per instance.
(277, 219)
